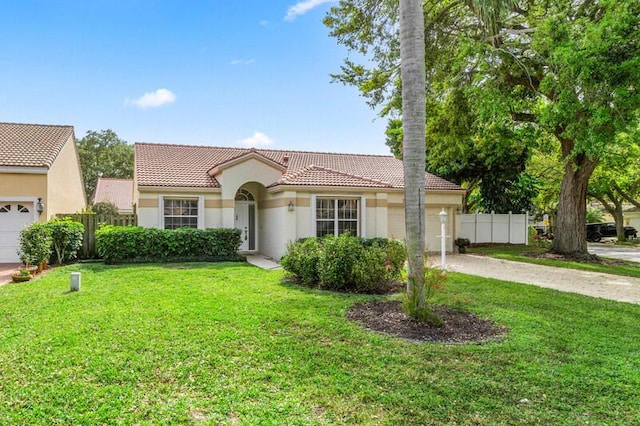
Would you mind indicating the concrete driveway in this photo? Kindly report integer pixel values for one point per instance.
(6, 269)
(631, 253)
(595, 284)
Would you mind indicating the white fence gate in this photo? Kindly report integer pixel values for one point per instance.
(494, 228)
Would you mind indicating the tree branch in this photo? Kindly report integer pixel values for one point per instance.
(523, 117)
(626, 195)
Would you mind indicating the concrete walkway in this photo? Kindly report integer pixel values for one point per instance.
(606, 286)
(262, 261)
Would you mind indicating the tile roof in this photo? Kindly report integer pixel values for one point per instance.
(31, 145)
(117, 191)
(187, 166)
(321, 176)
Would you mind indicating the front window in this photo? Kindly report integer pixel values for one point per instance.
(335, 216)
(180, 213)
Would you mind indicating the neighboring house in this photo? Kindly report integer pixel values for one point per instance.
(275, 197)
(39, 177)
(116, 191)
(632, 217)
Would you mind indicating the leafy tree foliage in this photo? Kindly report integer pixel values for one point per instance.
(552, 70)
(617, 179)
(104, 154)
(105, 208)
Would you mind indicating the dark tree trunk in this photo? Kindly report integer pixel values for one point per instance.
(619, 218)
(570, 235)
(614, 208)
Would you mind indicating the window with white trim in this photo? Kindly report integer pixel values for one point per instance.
(335, 216)
(180, 213)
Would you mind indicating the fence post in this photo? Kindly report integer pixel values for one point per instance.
(509, 230)
(475, 229)
(526, 228)
(493, 238)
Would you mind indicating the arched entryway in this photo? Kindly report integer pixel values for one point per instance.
(246, 219)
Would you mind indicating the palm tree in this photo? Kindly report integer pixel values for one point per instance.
(412, 68)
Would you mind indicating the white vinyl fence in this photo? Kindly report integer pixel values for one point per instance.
(494, 228)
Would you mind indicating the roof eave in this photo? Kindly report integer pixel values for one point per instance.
(36, 170)
(219, 168)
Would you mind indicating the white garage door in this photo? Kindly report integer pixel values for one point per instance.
(13, 217)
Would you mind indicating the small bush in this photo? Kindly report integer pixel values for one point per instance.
(346, 263)
(302, 260)
(336, 262)
(372, 272)
(434, 280)
(134, 244)
(66, 236)
(35, 244)
(462, 244)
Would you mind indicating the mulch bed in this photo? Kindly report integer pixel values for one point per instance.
(459, 326)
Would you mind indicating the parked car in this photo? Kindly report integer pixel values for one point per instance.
(598, 231)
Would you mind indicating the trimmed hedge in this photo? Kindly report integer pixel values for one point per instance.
(346, 263)
(134, 244)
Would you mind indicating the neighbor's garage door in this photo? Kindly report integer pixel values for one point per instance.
(13, 217)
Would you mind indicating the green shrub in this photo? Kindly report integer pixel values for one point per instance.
(35, 244)
(462, 244)
(336, 261)
(371, 272)
(346, 263)
(395, 253)
(301, 260)
(116, 244)
(434, 280)
(66, 236)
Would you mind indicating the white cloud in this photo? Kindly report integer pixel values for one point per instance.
(303, 7)
(153, 99)
(242, 61)
(264, 23)
(258, 139)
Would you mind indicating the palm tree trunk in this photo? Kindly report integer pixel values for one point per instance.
(412, 63)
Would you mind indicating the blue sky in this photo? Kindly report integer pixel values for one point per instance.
(224, 73)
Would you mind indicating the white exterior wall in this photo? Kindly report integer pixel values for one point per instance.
(434, 205)
(383, 214)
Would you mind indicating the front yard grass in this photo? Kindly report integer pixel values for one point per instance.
(520, 253)
(231, 344)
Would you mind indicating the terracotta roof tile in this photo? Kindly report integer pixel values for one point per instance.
(117, 191)
(31, 145)
(321, 176)
(187, 166)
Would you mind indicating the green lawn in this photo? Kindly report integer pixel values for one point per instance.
(231, 344)
(519, 253)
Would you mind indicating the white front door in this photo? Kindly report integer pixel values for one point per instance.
(13, 217)
(245, 221)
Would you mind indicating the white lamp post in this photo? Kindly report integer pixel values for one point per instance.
(443, 239)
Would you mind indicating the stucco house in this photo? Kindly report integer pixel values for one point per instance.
(277, 196)
(632, 217)
(119, 192)
(39, 177)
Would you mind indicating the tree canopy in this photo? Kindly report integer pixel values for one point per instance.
(104, 154)
(555, 71)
